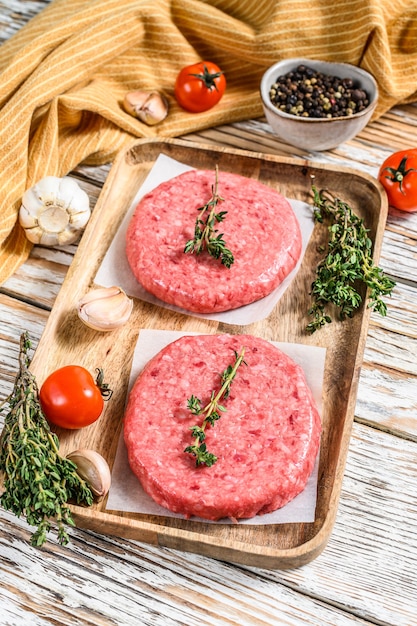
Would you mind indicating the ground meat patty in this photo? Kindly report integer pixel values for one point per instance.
(266, 442)
(260, 229)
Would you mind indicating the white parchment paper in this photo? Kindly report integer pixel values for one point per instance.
(115, 269)
(126, 492)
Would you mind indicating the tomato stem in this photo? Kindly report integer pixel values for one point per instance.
(398, 174)
(209, 79)
(105, 390)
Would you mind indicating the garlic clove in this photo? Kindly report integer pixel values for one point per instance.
(94, 469)
(150, 107)
(54, 211)
(105, 308)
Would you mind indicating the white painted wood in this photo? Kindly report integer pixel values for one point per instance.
(367, 575)
(370, 563)
(387, 400)
(15, 13)
(15, 318)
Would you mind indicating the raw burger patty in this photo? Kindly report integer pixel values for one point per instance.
(260, 229)
(266, 442)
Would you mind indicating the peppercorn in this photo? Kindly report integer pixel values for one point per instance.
(309, 93)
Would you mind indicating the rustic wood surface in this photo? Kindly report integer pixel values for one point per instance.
(366, 575)
(294, 544)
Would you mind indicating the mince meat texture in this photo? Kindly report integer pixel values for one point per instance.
(266, 441)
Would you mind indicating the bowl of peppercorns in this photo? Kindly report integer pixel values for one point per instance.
(317, 105)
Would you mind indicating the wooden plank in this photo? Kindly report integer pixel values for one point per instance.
(368, 565)
(16, 317)
(16, 13)
(119, 582)
(39, 279)
(387, 401)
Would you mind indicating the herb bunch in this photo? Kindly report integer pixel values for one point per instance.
(212, 412)
(38, 482)
(206, 237)
(347, 264)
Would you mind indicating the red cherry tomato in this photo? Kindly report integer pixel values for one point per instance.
(199, 86)
(71, 398)
(398, 175)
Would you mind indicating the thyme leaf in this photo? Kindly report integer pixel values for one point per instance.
(38, 482)
(347, 264)
(206, 237)
(211, 412)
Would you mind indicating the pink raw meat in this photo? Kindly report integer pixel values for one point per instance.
(260, 229)
(266, 442)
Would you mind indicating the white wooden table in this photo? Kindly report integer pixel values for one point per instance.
(368, 572)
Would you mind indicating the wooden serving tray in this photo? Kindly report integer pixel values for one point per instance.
(67, 341)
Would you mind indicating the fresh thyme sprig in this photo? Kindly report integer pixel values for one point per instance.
(206, 237)
(211, 413)
(38, 482)
(347, 264)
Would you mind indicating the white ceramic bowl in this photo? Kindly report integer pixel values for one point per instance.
(318, 133)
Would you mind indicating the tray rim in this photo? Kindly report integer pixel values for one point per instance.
(183, 539)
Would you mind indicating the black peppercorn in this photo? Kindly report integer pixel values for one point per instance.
(308, 93)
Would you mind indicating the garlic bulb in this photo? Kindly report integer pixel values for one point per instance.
(94, 469)
(105, 308)
(150, 107)
(54, 211)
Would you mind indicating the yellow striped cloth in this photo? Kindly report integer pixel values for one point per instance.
(63, 75)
